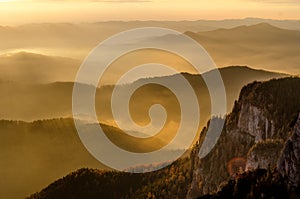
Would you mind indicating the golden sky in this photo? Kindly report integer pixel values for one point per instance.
(14, 12)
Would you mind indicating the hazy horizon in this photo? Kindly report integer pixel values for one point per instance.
(17, 12)
(149, 20)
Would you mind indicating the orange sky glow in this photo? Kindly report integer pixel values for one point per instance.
(15, 12)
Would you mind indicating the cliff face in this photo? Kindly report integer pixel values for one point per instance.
(254, 121)
(289, 162)
(283, 182)
(261, 115)
(264, 154)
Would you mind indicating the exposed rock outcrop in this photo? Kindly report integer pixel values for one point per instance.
(289, 163)
(263, 112)
(264, 154)
(254, 121)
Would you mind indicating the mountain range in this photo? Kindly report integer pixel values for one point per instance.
(262, 44)
(266, 114)
(257, 155)
(35, 139)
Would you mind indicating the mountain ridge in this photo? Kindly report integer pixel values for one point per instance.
(41, 94)
(261, 46)
(206, 175)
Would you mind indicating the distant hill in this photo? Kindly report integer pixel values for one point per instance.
(221, 39)
(42, 101)
(28, 67)
(261, 46)
(67, 35)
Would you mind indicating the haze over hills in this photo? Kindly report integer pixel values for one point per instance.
(38, 66)
(29, 102)
(28, 67)
(35, 140)
(41, 151)
(31, 154)
(21, 101)
(72, 35)
(265, 115)
(260, 45)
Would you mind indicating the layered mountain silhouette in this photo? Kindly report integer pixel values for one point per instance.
(260, 45)
(34, 101)
(42, 142)
(257, 155)
(272, 45)
(68, 35)
(271, 103)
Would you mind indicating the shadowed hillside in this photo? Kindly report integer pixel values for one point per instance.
(170, 182)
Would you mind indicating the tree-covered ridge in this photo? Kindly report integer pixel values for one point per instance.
(260, 183)
(278, 99)
(171, 182)
(265, 146)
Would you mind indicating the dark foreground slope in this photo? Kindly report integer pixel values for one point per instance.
(170, 182)
(263, 116)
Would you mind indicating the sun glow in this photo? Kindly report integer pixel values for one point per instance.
(16, 12)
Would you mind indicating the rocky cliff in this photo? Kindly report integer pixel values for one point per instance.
(261, 115)
(289, 162)
(264, 154)
(279, 182)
